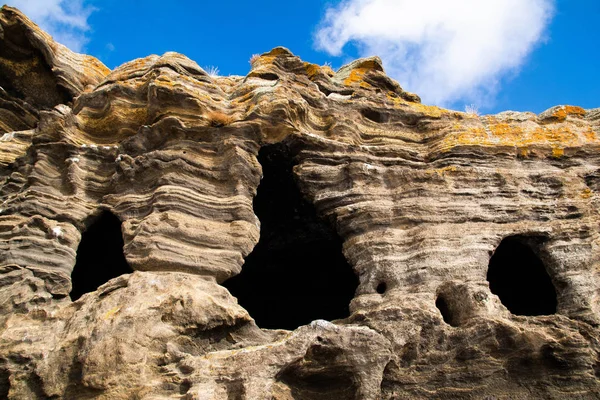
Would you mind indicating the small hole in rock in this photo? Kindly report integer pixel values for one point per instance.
(381, 288)
(297, 272)
(314, 378)
(374, 115)
(99, 255)
(519, 278)
(442, 305)
(268, 76)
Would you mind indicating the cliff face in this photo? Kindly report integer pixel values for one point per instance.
(406, 251)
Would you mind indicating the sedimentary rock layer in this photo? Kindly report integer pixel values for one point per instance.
(421, 197)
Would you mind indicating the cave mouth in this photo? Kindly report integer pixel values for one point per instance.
(100, 255)
(519, 278)
(297, 272)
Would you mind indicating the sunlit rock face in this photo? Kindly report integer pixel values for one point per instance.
(379, 248)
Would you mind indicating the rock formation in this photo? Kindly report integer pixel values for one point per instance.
(428, 253)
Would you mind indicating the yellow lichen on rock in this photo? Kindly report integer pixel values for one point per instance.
(442, 171)
(558, 152)
(431, 111)
(564, 111)
(111, 312)
(356, 76)
(586, 193)
(312, 70)
(495, 132)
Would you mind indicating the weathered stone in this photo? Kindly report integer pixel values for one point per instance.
(420, 196)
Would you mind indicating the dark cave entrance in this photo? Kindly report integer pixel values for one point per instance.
(297, 272)
(99, 255)
(519, 278)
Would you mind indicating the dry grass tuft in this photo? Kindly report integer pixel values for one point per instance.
(254, 58)
(212, 71)
(472, 109)
(217, 119)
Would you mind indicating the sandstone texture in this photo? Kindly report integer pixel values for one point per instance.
(420, 196)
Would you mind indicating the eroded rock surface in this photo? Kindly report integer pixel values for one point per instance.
(420, 196)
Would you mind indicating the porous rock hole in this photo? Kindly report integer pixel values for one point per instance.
(447, 314)
(100, 255)
(518, 276)
(297, 272)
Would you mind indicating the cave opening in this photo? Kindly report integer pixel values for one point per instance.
(100, 255)
(297, 272)
(519, 278)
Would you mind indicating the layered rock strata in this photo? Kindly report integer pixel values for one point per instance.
(421, 197)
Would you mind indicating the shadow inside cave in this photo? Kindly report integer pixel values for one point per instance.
(519, 278)
(297, 272)
(99, 255)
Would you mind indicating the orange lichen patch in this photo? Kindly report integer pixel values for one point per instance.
(518, 135)
(92, 67)
(166, 81)
(269, 57)
(312, 70)
(140, 63)
(524, 152)
(369, 64)
(356, 76)
(359, 69)
(470, 136)
(328, 70)
(218, 119)
(261, 60)
(430, 111)
(586, 193)
(558, 152)
(522, 136)
(590, 135)
(111, 312)
(563, 112)
(441, 171)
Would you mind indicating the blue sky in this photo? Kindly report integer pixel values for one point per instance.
(525, 55)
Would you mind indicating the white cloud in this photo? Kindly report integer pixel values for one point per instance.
(65, 20)
(445, 51)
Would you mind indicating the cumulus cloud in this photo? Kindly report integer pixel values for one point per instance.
(65, 20)
(445, 51)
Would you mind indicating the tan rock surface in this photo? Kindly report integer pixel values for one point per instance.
(420, 196)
